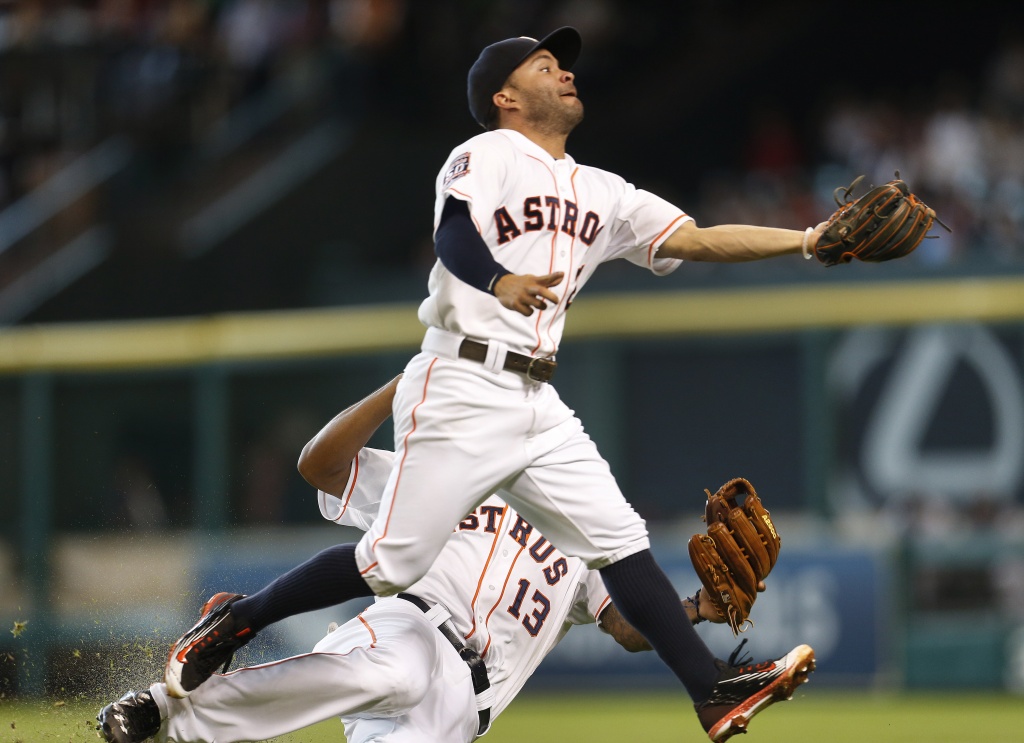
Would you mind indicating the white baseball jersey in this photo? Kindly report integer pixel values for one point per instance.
(389, 674)
(539, 215)
(510, 592)
(463, 428)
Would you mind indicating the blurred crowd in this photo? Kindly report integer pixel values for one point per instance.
(960, 147)
(161, 71)
(74, 71)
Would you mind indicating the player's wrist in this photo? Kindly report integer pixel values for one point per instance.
(695, 602)
(805, 247)
(492, 285)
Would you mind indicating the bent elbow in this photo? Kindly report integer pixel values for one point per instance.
(310, 467)
(303, 465)
(633, 645)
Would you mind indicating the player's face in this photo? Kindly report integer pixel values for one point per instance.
(546, 94)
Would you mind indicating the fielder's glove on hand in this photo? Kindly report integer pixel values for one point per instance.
(740, 548)
(885, 223)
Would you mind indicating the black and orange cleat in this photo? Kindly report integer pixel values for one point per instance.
(209, 645)
(744, 690)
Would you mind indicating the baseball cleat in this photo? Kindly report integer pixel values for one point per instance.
(209, 645)
(744, 690)
(131, 719)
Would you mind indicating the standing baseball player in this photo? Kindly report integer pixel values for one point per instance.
(437, 663)
(519, 229)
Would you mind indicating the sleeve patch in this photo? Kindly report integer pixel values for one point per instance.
(459, 167)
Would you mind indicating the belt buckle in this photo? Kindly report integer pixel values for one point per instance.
(529, 369)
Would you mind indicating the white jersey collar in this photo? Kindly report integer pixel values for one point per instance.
(530, 147)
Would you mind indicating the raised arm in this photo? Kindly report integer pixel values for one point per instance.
(735, 243)
(326, 460)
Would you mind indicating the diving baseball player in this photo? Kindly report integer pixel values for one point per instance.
(437, 663)
(519, 229)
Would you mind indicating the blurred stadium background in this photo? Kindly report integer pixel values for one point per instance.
(215, 227)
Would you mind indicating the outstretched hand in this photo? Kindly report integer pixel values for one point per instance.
(813, 238)
(525, 292)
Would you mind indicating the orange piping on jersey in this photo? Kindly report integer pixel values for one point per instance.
(603, 606)
(469, 201)
(551, 257)
(487, 562)
(352, 487)
(373, 637)
(566, 291)
(487, 620)
(650, 250)
(405, 453)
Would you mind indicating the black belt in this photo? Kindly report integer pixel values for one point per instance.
(539, 370)
(477, 669)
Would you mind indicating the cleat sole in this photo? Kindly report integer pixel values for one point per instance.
(780, 690)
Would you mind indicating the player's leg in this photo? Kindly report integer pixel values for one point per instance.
(334, 575)
(229, 621)
(328, 578)
(374, 671)
(458, 436)
(452, 450)
(446, 712)
(569, 493)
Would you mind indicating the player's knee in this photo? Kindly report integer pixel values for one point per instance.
(394, 689)
(395, 581)
(411, 689)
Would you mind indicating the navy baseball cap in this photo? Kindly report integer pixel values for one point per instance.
(499, 60)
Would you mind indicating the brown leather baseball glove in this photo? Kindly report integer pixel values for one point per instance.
(885, 223)
(740, 548)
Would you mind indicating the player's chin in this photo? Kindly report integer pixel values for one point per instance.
(574, 110)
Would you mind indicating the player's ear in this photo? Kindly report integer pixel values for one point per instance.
(505, 99)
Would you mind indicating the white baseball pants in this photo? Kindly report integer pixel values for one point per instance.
(388, 673)
(464, 430)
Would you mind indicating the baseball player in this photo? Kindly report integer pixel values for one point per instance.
(437, 663)
(519, 229)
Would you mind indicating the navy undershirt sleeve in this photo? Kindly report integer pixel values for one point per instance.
(462, 251)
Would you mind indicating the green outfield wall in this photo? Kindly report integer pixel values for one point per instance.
(129, 448)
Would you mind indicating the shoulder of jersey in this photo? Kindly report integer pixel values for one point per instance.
(494, 140)
(602, 174)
